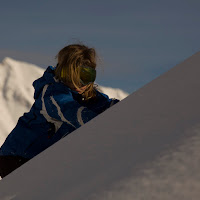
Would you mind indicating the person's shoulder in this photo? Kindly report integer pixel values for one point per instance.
(57, 91)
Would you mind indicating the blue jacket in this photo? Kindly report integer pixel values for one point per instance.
(56, 112)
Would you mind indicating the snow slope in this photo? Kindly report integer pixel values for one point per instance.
(145, 147)
(16, 92)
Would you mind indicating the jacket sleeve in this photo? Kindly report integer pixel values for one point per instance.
(59, 108)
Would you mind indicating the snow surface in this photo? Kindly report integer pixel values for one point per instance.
(173, 174)
(16, 92)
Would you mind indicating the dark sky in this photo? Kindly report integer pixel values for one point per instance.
(135, 40)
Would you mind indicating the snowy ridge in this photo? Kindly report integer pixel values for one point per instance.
(16, 92)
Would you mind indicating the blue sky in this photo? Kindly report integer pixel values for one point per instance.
(136, 40)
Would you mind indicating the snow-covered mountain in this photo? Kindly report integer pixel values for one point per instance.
(16, 92)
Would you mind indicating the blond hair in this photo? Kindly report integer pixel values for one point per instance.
(70, 59)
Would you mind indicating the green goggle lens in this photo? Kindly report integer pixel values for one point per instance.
(87, 75)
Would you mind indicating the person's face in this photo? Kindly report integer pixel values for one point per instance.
(79, 90)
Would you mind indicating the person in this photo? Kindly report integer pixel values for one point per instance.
(65, 99)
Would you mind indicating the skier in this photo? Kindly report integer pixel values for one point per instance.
(65, 99)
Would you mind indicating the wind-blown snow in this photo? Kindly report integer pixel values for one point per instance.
(16, 92)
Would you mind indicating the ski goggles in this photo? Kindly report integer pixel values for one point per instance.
(87, 75)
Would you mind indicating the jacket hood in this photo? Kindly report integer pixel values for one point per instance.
(47, 78)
